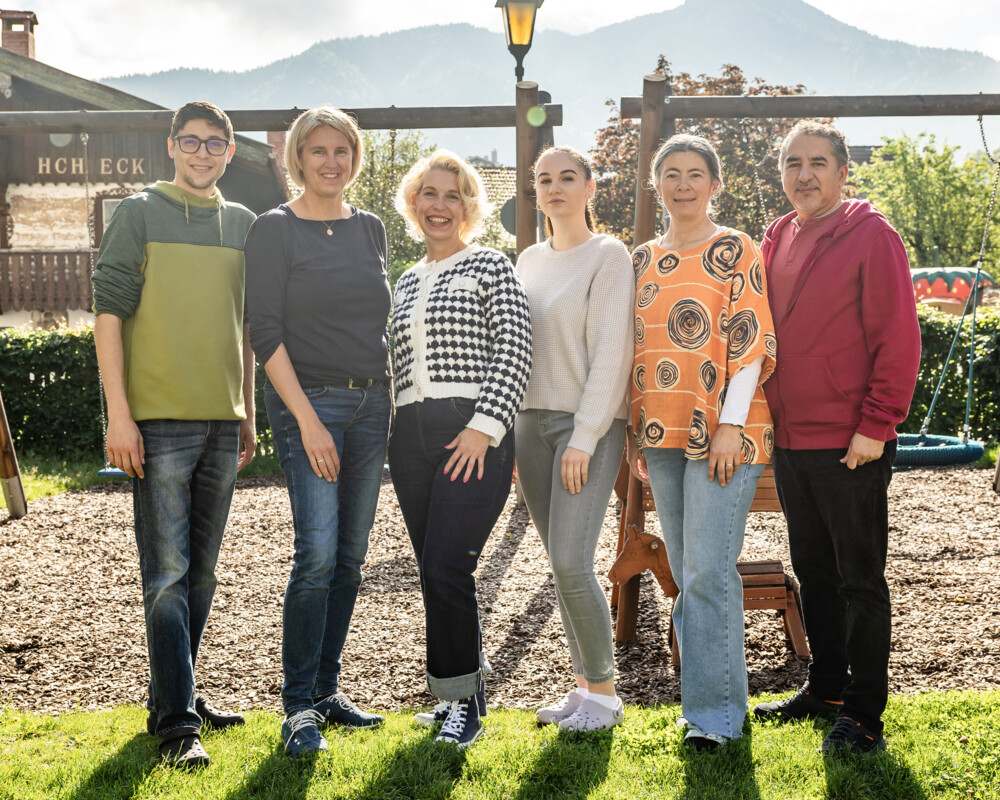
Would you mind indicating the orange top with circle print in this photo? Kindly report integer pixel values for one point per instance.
(700, 316)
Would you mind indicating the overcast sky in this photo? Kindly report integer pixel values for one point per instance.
(104, 38)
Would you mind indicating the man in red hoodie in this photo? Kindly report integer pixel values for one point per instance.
(848, 352)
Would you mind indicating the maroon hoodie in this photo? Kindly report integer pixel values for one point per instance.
(849, 344)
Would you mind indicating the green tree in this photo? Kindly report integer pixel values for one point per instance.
(388, 156)
(932, 199)
(748, 149)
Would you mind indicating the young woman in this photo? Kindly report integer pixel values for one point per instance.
(704, 344)
(318, 296)
(571, 429)
(462, 354)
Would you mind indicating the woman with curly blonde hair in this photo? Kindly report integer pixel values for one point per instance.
(462, 350)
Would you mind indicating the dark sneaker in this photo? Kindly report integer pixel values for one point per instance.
(462, 726)
(209, 715)
(337, 709)
(184, 752)
(849, 735)
(300, 733)
(217, 719)
(801, 705)
(439, 713)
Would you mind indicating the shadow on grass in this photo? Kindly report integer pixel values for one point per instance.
(278, 776)
(419, 768)
(572, 766)
(727, 772)
(119, 775)
(858, 776)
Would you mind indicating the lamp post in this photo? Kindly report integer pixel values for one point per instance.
(519, 27)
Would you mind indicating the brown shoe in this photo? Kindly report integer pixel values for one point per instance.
(184, 752)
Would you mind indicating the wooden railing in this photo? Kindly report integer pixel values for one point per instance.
(44, 280)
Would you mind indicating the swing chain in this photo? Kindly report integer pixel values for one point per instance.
(986, 147)
(85, 140)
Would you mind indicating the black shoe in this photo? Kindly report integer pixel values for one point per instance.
(339, 710)
(850, 735)
(184, 752)
(217, 719)
(462, 725)
(801, 705)
(209, 715)
(439, 713)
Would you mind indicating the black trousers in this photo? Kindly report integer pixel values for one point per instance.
(838, 535)
(448, 523)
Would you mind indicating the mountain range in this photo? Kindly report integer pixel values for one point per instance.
(781, 41)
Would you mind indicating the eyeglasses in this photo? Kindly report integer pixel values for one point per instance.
(192, 144)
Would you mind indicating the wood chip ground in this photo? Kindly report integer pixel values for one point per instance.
(72, 633)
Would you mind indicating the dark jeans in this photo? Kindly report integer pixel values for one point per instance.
(449, 523)
(838, 535)
(181, 507)
(332, 523)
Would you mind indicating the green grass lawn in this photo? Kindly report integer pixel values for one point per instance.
(941, 746)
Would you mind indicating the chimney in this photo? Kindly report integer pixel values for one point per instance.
(19, 32)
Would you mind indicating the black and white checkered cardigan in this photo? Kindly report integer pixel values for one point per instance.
(476, 328)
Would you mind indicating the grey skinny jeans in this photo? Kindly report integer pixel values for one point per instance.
(569, 526)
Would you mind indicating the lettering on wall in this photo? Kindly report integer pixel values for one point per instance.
(106, 166)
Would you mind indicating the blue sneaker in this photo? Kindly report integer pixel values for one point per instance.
(337, 709)
(300, 733)
(462, 726)
(439, 713)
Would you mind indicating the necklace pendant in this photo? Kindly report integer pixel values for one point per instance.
(329, 232)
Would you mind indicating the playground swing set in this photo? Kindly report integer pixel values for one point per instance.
(765, 583)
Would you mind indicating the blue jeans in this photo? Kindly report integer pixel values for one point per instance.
(703, 527)
(181, 508)
(449, 523)
(332, 522)
(570, 527)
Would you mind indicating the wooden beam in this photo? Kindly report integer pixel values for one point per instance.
(527, 149)
(755, 107)
(654, 90)
(144, 121)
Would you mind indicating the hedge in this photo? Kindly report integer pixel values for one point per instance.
(50, 390)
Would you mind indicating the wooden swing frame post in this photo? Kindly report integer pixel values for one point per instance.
(10, 473)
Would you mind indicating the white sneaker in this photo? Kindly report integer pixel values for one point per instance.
(593, 716)
(560, 710)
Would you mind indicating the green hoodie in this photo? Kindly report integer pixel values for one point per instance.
(171, 267)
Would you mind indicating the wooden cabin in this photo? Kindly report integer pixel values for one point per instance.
(58, 192)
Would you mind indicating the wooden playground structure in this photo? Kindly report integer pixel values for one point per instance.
(766, 585)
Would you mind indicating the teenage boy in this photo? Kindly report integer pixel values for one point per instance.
(175, 357)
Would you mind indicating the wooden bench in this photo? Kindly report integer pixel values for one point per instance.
(765, 584)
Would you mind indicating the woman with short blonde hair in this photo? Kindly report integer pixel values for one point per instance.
(462, 350)
(318, 296)
(475, 204)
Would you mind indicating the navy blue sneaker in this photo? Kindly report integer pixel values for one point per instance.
(462, 726)
(439, 713)
(300, 733)
(337, 709)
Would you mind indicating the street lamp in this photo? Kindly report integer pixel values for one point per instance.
(519, 26)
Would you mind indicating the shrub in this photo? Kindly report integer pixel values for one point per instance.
(50, 388)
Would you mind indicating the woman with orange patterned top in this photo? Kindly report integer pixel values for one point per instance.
(704, 344)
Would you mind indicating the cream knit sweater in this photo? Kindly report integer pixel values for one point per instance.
(581, 326)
